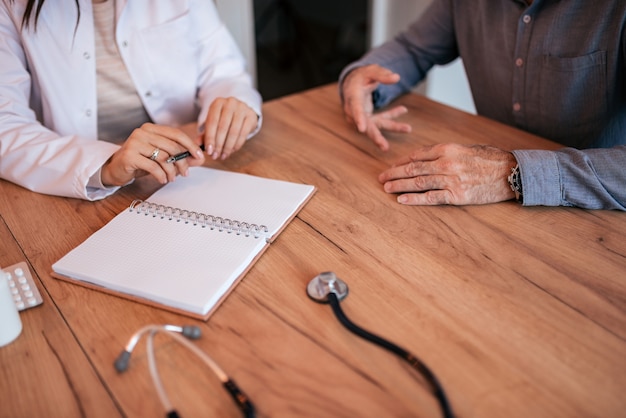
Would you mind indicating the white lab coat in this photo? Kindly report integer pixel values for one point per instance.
(178, 53)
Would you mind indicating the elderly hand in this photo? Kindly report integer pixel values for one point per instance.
(356, 91)
(227, 126)
(451, 174)
(146, 151)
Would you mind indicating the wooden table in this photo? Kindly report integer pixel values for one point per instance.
(520, 312)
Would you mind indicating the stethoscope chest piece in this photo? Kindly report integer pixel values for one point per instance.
(325, 283)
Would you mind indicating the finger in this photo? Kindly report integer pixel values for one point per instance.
(408, 170)
(393, 112)
(425, 153)
(182, 166)
(378, 74)
(357, 98)
(420, 184)
(158, 149)
(233, 135)
(375, 135)
(211, 127)
(247, 125)
(153, 168)
(223, 128)
(355, 106)
(156, 152)
(160, 164)
(384, 75)
(392, 125)
(169, 139)
(430, 198)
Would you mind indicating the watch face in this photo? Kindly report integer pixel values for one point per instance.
(515, 183)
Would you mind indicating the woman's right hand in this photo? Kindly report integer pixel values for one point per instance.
(146, 151)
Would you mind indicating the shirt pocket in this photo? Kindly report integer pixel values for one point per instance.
(573, 95)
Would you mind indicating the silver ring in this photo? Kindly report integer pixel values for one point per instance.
(155, 154)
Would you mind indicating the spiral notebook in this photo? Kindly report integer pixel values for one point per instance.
(187, 246)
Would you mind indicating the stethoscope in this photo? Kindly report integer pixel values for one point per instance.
(326, 287)
(191, 332)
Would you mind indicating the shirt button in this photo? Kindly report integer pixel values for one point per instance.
(527, 18)
(86, 55)
(148, 93)
(517, 107)
(519, 62)
(125, 43)
(88, 112)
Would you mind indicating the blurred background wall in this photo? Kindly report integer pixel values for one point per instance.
(294, 45)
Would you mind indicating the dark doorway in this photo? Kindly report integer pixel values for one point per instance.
(302, 44)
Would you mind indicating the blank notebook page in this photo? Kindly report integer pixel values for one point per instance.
(177, 263)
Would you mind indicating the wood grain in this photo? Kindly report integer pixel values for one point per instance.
(519, 311)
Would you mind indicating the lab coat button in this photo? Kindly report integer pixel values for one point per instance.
(86, 55)
(88, 112)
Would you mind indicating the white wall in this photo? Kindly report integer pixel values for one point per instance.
(238, 16)
(448, 84)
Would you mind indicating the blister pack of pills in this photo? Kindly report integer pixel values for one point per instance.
(22, 285)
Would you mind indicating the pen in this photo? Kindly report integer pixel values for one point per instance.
(181, 155)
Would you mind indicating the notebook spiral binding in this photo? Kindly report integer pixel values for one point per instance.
(197, 218)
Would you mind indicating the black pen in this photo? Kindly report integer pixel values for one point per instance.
(182, 155)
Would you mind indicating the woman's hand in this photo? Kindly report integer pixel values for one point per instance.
(146, 151)
(228, 124)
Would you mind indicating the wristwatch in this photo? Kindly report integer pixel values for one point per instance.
(515, 182)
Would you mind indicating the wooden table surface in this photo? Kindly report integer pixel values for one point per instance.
(520, 312)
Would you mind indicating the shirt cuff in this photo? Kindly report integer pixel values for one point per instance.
(541, 182)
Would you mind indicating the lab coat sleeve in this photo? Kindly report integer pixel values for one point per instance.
(31, 155)
(223, 70)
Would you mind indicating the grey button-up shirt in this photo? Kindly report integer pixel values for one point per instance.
(555, 68)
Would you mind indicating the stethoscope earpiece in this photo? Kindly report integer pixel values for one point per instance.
(189, 332)
(192, 332)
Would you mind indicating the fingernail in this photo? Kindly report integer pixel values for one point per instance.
(215, 155)
(199, 153)
(209, 151)
(403, 199)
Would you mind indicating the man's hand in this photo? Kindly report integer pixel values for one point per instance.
(451, 174)
(358, 108)
(146, 151)
(227, 126)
